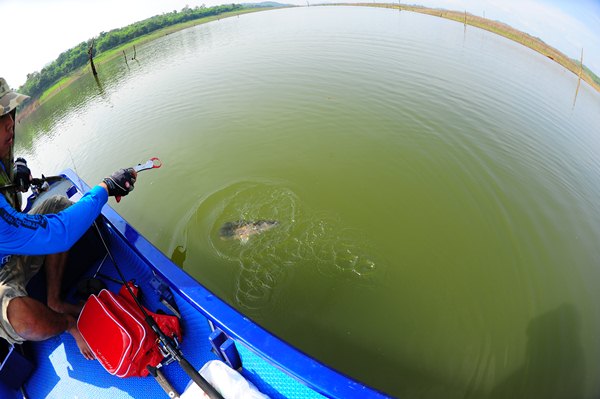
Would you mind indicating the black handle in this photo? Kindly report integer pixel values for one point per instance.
(199, 380)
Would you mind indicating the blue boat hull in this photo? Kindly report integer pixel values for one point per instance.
(274, 367)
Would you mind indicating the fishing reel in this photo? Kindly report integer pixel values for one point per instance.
(39, 185)
(168, 353)
(36, 184)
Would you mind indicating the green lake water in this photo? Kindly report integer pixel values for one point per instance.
(437, 190)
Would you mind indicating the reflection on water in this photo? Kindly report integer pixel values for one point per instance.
(179, 255)
(301, 238)
(100, 87)
(576, 91)
(554, 364)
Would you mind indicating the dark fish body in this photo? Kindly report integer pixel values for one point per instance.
(242, 230)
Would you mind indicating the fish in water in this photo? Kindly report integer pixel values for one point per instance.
(242, 230)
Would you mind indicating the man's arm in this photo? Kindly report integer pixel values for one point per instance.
(24, 234)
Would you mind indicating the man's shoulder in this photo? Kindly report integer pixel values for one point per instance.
(3, 201)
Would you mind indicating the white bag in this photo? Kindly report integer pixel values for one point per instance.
(228, 382)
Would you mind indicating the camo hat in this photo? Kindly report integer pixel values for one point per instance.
(9, 99)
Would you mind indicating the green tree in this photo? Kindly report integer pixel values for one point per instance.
(77, 57)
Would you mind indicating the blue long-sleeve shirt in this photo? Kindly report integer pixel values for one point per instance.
(24, 234)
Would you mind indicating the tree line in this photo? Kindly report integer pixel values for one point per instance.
(71, 60)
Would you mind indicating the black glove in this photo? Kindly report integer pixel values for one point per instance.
(121, 182)
(22, 175)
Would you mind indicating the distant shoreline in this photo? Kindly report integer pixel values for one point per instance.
(501, 29)
(118, 52)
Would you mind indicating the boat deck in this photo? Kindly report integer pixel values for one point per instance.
(61, 372)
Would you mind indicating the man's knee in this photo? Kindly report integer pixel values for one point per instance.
(19, 316)
(34, 321)
(51, 205)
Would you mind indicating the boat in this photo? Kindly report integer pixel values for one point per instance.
(212, 329)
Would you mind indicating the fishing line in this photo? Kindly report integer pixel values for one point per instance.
(170, 348)
(81, 183)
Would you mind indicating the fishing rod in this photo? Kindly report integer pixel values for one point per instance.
(36, 182)
(167, 344)
(40, 182)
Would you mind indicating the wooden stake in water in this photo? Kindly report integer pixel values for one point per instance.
(579, 80)
(91, 58)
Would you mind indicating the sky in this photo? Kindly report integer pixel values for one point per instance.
(35, 32)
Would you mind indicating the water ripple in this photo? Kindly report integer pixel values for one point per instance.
(302, 238)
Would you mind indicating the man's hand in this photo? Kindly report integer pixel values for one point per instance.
(22, 175)
(121, 182)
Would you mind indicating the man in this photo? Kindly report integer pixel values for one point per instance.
(25, 238)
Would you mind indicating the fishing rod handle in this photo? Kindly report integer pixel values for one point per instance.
(199, 380)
